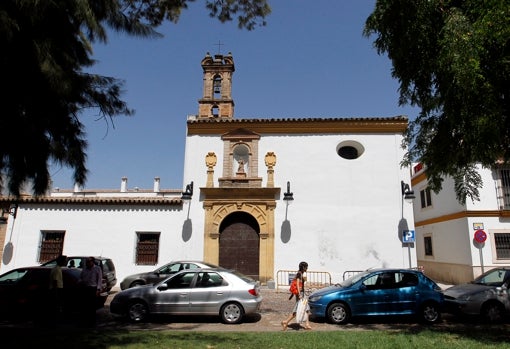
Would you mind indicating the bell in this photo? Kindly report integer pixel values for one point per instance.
(217, 84)
(217, 87)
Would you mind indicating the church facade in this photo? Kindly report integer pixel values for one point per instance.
(260, 196)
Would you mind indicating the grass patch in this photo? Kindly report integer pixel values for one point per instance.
(78, 338)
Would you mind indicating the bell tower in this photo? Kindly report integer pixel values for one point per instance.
(217, 101)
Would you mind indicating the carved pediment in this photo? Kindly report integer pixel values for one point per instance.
(240, 134)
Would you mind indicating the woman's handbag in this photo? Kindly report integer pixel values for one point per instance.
(301, 313)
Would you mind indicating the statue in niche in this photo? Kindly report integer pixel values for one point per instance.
(240, 168)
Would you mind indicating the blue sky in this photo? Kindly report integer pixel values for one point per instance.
(311, 60)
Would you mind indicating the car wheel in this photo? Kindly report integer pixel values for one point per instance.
(492, 312)
(136, 283)
(231, 313)
(430, 313)
(338, 313)
(138, 311)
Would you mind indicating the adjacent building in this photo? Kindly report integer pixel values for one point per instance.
(457, 242)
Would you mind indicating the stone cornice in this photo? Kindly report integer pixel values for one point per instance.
(397, 124)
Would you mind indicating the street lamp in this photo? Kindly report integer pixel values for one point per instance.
(13, 210)
(407, 193)
(186, 196)
(188, 193)
(288, 196)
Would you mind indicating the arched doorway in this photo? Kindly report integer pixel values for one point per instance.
(239, 242)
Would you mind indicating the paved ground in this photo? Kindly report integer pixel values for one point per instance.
(276, 306)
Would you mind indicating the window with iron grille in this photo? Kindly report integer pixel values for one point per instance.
(52, 245)
(502, 245)
(427, 242)
(504, 188)
(147, 248)
(426, 198)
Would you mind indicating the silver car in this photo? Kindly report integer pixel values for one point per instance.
(487, 296)
(217, 291)
(161, 273)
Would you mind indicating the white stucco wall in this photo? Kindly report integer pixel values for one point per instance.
(488, 192)
(450, 241)
(345, 214)
(109, 231)
(443, 202)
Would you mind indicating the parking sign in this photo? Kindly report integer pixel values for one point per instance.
(408, 236)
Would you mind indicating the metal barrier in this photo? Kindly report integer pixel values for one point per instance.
(348, 273)
(314, 279)
(419, 268)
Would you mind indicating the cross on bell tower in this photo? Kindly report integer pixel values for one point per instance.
(217, 101)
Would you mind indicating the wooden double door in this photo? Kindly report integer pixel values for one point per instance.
(239, 244)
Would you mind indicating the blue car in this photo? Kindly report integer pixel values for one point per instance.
(379, 292)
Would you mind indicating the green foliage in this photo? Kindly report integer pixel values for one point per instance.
(249, 13)
(45, 47)
(452, 60)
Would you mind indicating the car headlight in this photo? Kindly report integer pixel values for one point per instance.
(465, 297)
(314, 298)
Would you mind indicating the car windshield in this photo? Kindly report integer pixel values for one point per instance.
(494, 277)
(175, 267)
(13, 276)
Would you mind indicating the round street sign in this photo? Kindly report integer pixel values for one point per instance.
(480, 236)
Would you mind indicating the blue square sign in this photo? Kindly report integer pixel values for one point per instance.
(408, 236)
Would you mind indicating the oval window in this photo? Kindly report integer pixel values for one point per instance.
(350, 150)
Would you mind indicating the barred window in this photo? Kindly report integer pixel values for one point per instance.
(147, 248)
(52, 245)
(502, 244)
(504, 188)
(427, 242)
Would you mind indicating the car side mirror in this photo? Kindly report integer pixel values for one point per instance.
(163, 287)
(363, 287)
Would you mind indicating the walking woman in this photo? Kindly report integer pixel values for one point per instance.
(300, 283)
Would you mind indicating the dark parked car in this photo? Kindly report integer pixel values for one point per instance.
(379, 292)
(213, 292)
(487, 296)
(161, 273)
(24, 292)
(106, 264)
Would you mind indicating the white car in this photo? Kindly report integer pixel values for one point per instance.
(161, 273)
